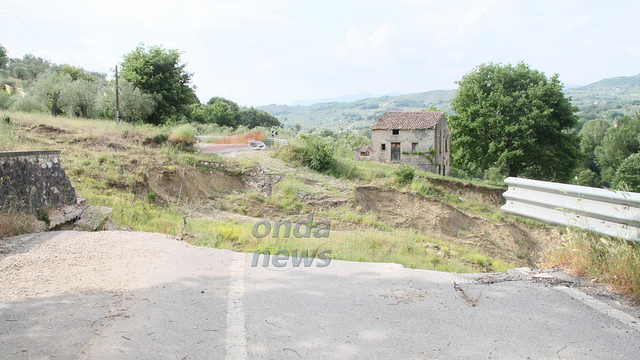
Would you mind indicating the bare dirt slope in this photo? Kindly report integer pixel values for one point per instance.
(515, 243)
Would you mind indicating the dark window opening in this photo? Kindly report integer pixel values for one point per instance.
(395, 131)
(364, 153)
(383, 147)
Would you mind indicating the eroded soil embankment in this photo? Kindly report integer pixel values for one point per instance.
(515, 243)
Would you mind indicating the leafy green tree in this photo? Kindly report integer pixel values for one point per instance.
(48, 90)
(252, 118)
(79, 98)
(628, 174)
(221, 113)
(76, 73)
(516, 118)
(135, 105)
(619, 142)
(591, 136)
(220, 100)
(587, 177)
(159, 71)
(29, 67)
(4, 59)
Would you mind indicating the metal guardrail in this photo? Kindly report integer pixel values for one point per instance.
(276, 141)
(613, 213)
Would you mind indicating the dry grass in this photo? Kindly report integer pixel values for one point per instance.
(16, 224)
(601, 258)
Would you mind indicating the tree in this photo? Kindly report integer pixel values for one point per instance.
(591, 136)
(158, 71)
(221, 113)
(252, 118)
(48, 89)
(80, 98)
(4, 59)
(135, 105)
(516, 118)
(619, 143)
(628, 174)
(29, 67)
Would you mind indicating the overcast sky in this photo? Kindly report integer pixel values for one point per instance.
(257, 52)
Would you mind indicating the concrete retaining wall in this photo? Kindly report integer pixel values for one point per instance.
(33, 181)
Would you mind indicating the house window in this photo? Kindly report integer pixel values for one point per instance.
(395, 131)
(364, 153)
(414, 147)
(383, 147)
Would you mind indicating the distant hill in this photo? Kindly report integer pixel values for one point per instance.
(608, 98)
(356, 114)
(605, 99)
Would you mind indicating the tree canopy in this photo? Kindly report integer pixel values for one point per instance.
(159, 71)
(515, 118)
(225, 112)
(4, 59)
(607, 147)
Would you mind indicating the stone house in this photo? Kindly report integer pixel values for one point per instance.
(417, 138)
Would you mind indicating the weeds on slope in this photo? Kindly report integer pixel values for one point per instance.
(601, 258)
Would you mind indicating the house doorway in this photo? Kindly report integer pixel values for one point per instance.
(395, 151)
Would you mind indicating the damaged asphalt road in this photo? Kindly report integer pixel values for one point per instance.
(123, 295)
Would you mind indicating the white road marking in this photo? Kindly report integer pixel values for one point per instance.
(236, 344)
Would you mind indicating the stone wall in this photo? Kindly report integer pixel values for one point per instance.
(33, 181)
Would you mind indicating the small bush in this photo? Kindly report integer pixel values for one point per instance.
(405, 174)
(183, 135)
(160, 139)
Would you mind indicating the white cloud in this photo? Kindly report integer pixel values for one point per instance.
(265, 66)
(577, 23)
(365, 49)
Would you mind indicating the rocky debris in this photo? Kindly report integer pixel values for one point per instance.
(261, 178)
(92, 218)
(555, 276)
(65, 214)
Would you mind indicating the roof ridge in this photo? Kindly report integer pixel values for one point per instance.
(408, 120)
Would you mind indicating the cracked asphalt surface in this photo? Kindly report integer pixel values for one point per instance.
(123, 295)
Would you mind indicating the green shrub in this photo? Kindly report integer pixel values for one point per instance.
(317, 153)
(405, 174)
(160, 138)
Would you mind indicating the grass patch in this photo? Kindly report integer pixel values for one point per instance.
(348, 214)
(12, 224)
(605, 259)
(285, 195)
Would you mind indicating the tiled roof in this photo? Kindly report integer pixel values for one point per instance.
(408, 120)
